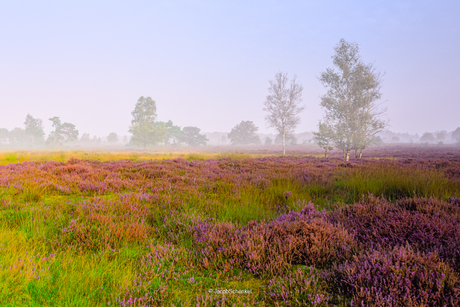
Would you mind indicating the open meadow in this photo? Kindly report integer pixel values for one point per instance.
(213, 228)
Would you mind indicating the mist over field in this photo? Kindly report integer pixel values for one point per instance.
(239, 153)
(208, 65)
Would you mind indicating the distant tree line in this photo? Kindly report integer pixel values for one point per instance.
(351, 122)
(33, 134)
(146, 131)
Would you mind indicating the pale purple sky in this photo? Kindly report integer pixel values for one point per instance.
(208, 63)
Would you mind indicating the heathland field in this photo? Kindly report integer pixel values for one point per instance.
(208, 229)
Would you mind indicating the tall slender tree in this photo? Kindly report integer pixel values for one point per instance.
(283, 105)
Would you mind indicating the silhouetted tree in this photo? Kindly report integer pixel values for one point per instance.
(63, 133)
(283, 105)
(34, 127)
(192, 136)
(427, 137)
(268, 141)
(112, 138)
(441, 135)
(143, 127)
(68, 131)
(85, 138)
(244, 134)
(379, 141)
(350, 101)
(456, 134)
(324, 137)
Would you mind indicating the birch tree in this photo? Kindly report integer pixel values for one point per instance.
(283, 105)
(353, 89)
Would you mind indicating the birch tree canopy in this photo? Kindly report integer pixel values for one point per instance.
(351, 100)
(283, 105)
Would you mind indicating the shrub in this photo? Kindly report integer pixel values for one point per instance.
(399, 277)
(314, 241)
(430, 226)
(270, 248)
(301, 287)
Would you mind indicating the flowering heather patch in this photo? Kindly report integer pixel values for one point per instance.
(429, 225)
(165, 232)
(105, 223)
(303, 237)
(397, 277)
(297, 288)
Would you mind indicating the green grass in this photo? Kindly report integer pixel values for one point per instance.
(393, 183)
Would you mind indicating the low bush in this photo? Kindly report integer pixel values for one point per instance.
(301, 287)
(430, 226)
(397, 277)
(271, 248)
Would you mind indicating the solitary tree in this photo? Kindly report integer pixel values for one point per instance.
(96, 140)
(353, 89)
(427, 137)
(283, 105)
(244, 134)
(62, 133)
(34, 127)
(193, 137)
(112, 138)
(324, 137)
(143, 123)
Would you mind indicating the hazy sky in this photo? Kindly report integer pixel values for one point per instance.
(208, 63)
